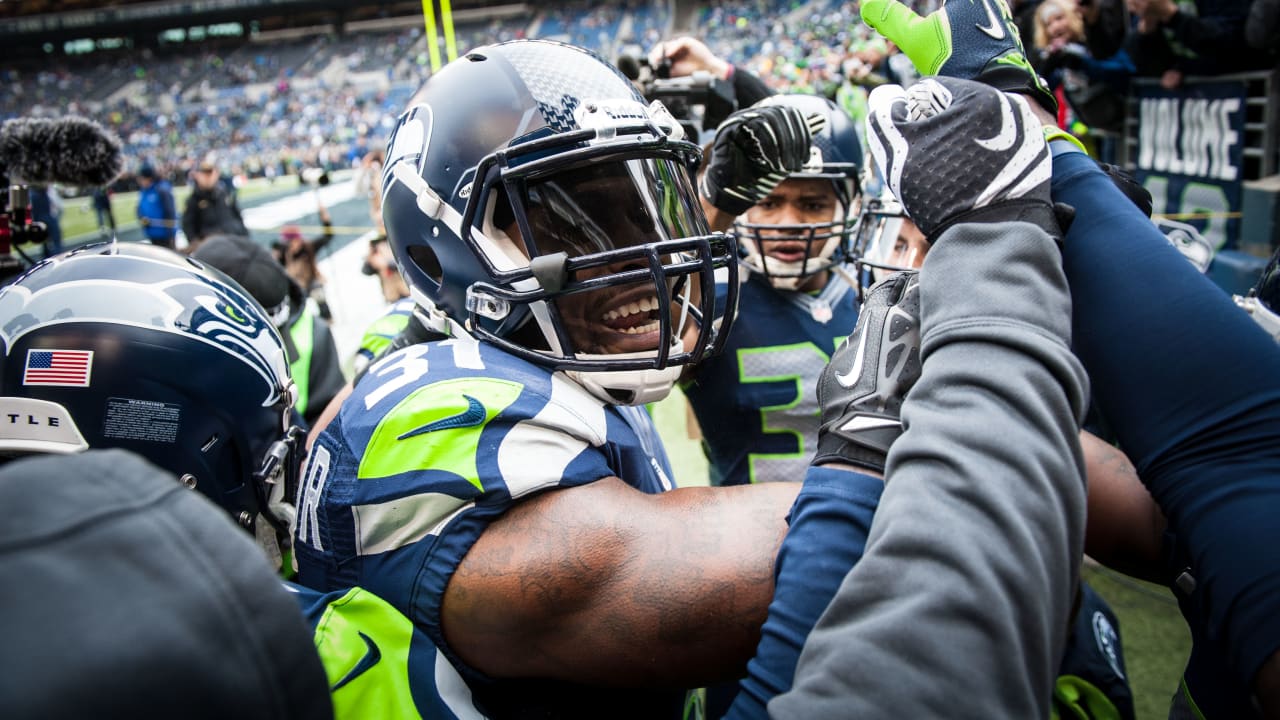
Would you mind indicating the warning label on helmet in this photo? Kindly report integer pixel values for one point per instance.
(130, 419)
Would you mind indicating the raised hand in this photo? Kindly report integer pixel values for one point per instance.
(966, 39)
(956, 150)
(754, 150)
(861, 390)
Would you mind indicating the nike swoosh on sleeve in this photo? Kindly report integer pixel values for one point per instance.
(371, 657)
(474, 415)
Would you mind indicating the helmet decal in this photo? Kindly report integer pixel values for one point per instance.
(184, 303)
(408, 143)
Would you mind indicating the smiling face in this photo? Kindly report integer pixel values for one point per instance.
(614, 208)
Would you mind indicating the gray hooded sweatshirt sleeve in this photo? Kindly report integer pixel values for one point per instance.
(959, 608)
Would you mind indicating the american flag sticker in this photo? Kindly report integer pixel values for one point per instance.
(58, 367)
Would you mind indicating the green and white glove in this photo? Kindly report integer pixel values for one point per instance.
(860, 392)
(957, 151)
(966, 39)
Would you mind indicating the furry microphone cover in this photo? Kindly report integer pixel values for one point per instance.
(70, 150)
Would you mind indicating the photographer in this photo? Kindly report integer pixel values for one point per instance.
(726, 88)
(298, 256)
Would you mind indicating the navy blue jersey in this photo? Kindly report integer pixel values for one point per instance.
(757, 402)
(436, 441)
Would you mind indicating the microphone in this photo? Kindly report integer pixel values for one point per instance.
(71, 150)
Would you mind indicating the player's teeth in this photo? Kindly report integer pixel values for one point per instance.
(642, 329)
(644, 305)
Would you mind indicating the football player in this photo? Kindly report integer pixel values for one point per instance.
(502, 485)
(756, 402)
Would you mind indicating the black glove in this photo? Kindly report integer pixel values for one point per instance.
(862, 388)
(960, 151)
(754, 150)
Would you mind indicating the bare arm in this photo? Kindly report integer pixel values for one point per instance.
(327, 415)
(603, 584)
(1125, 526)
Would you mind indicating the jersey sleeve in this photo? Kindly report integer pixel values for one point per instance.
(435, 442)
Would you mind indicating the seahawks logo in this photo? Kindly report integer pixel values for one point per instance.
(159, 296)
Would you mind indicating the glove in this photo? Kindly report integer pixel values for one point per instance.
(754, 150)
(1129, 185)
(960, 151)
(861, 390)
(966, 39)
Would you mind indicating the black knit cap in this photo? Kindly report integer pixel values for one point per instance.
(251, 265)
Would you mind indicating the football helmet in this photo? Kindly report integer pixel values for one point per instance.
(534, 201)
(130, 345)
(884, 242)
(835, 155)
(1263, 300)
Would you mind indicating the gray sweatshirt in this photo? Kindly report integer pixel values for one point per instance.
(959, 608)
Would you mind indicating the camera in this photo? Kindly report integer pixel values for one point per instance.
(17, 228)
(699, 101)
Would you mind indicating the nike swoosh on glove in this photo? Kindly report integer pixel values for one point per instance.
(966, 39)
(754, 150)
(960, 151)
(860, 392)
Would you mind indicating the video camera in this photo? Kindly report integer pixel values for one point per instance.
(17, 228)
(43, 151)
(699, 101)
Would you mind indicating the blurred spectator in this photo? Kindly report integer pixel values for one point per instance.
(210, 210)
(382, 263)
(46, 207)
(1106, 23)
(1206, 37)
(1090, 92)
(102, 209)
(157, 212)
(368, 181)
(298, 256)
(313, 356)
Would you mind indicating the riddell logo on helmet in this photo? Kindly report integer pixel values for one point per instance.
(609, 113)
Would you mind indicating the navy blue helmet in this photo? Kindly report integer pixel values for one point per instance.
(835, 155)
(533, 200)
(129, 345)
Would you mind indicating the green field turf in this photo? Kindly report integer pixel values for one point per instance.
(1154, 637)
(79, 219)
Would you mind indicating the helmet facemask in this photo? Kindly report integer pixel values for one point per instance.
(602, 250)
(789, 254)
(887, 241)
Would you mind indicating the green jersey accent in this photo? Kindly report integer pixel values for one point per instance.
(302, 332)
(437, 427)
(381, 332)
(803, 363)
(1075, 698)
(364, 645)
